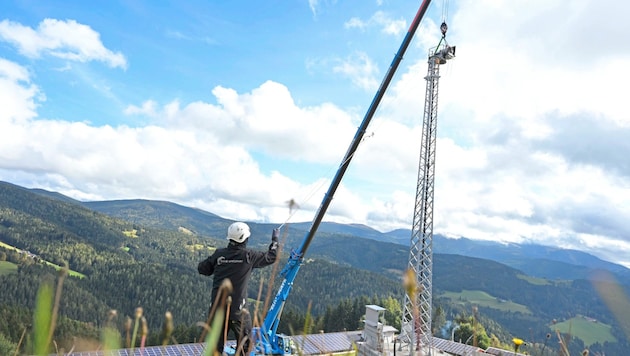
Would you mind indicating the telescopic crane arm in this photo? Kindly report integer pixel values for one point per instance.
(268, 342)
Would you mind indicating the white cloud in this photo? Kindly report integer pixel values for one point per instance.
(312, 4)
(267, 120)
(380, 19)
(355, 22)
(541, 53)
(148, 108)
(18, 97)
(389, 26)
(64, 39)
(360, 69)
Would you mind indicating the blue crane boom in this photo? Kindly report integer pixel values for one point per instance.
(267, 341)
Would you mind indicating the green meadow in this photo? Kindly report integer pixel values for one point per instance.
(484, 299)
(588, 330)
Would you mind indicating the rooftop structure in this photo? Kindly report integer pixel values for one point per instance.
(376, 339)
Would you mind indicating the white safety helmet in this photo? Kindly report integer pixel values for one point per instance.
(238, 232)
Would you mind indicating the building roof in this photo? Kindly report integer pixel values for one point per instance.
(389, 329)
(375, 307)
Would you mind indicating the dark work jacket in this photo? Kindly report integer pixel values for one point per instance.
(236, 262)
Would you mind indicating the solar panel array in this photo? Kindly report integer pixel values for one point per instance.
(169, 350)
(312, 344)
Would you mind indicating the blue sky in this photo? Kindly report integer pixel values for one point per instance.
(235, 107)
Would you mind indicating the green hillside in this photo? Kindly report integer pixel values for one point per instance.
(7, 267)
(48, 263)
(483, 299)
(587, 329)
(162, 215)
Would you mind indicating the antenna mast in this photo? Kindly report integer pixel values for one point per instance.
(416, 320)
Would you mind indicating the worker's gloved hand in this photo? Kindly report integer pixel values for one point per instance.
(275, 234)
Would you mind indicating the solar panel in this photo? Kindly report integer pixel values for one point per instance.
(455, 348)
(316, 344)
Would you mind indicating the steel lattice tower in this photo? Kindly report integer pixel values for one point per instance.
(416, 320)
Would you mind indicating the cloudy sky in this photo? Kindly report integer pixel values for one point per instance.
(236, 107)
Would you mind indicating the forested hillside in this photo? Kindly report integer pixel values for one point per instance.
(162, 215)
(132, 263)
(126, 266)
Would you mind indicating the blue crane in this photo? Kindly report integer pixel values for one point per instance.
(267, 341)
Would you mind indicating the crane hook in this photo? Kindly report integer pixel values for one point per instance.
(443, 28)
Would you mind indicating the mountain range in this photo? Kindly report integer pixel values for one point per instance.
(533, 259)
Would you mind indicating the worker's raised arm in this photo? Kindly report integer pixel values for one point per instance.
(262, 259)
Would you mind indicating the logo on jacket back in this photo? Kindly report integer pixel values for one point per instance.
(222, 260)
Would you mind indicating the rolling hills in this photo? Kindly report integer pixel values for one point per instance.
(533, 259)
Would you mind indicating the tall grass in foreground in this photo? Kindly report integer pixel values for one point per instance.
(45, 317)
(40, 340)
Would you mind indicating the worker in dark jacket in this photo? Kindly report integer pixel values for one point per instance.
(236, 262)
